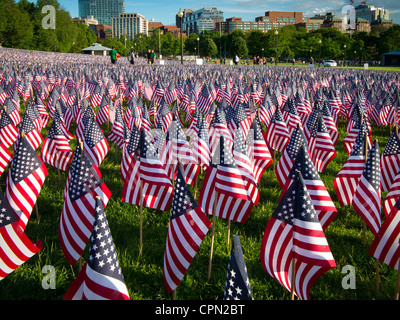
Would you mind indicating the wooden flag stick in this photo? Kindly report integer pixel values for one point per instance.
(141, 219)
(212, 236)
(293, 277)
(58, 164)
(229, 233)
(396, 297)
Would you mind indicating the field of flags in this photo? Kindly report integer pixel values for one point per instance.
(194, 143)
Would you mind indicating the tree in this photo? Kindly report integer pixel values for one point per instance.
(208, 48)
(239, 47)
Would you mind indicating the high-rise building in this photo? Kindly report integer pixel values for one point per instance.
(129, 24)
(101, 10)
(371, 13)
(201, 20)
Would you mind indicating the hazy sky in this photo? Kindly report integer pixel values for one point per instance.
(165, 11)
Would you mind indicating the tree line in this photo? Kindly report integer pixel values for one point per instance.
(21, 27)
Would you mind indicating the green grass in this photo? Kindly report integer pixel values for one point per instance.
(144, 274)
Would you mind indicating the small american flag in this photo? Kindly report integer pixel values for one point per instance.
(25, 180)
(385, 246)
(95, 142)
(8, 130)
(15, 245)
(390, 161)
(294, 238)
(277, 135)
(84, 184)
(237, 286)
(101, 277)
(188, 226)
(367, 196)
(347, 179)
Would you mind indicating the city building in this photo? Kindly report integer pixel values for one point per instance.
(178, 19)
(310, 24)
(103, 32)
(129, 24)
(102, 10)
(371, 13)
(202, 20)
(89, 20)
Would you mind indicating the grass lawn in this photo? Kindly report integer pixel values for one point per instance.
(144, 274)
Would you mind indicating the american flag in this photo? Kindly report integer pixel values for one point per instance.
(237, 286)
(367, 197)
(171, 94)
(164, 116)
(178, 150)
(244, 165)
(15, 246)
(291, 116)
(385, 246)
(29, 130)
(285, 163)
(128, 151)
(390, 161)
(329, 122)
(158, 94)
(218, 128)
(117, 134)
(266, 111)
(320, 197)
(240, 119)
(96, 96)
(5, 157)
(204, 100)
(147, 180)
(12, 111)
(321, 147)
(101, 277)
(8, 130)
(346, 181)
(25, 180)
(224, 188)
(188, 226)
(277, 135)
(201, 144)
(56, 150)
(294, 238)
(258, 150)
(102, 114)
(95, 142)
(84, 184)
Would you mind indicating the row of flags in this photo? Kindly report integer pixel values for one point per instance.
(225, 121)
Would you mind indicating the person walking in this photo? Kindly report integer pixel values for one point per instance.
(113, 54)
(152, 57)
(149, 56)
(131, 57)
(236, 59)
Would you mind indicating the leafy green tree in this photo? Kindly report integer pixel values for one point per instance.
(208, 48)
(239, 47)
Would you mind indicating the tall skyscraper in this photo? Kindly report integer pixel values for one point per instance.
(101, 10)
(129, 24)
(202, 19)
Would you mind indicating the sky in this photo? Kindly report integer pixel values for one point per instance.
(164, 11)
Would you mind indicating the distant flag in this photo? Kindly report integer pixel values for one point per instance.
(56, 150)
(237, 286)
(8, 130)
(277, 135)
(322, 149)
(147, 182)
(244, 165)
(188, 226)
(102, 114)
(201, 145)
(258, 151)
(117, 134)
(25, 180)
(294, 238)
(390, 161)
(204, 100)
(101, 277)
(15, 246)
(367, 196)
(94, 141)
(285, 163)
(29, 130)
(223, 187)
(346, 181)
